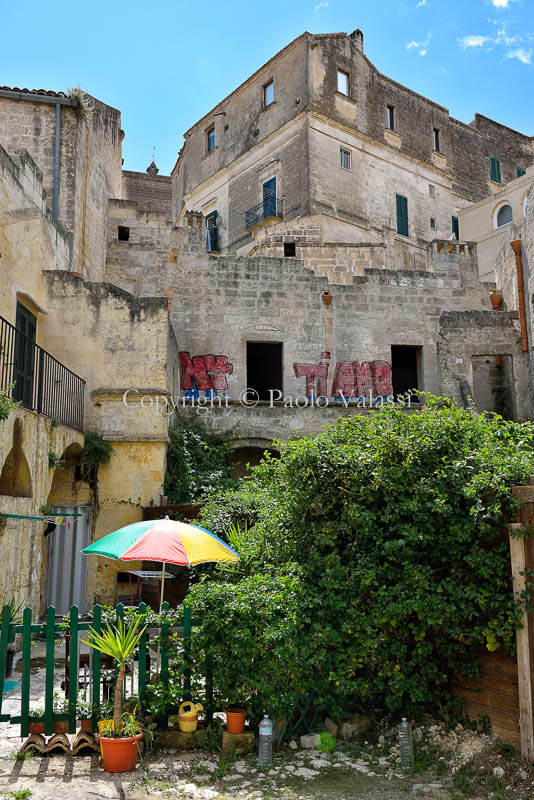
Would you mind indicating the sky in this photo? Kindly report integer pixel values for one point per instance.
(165, 63)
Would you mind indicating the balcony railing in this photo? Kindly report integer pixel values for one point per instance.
(41, 383)
(270, 207)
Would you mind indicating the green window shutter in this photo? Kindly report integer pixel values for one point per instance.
(456, 227)
(402, 215)
(519, 171)
(495, 169)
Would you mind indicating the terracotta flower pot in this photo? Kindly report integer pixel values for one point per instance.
(36, 727)
(86, 725)
(496, 300)
(235, 720)
(120, 754)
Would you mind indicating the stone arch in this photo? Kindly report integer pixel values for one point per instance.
(248, 451)
(15, 478)
(62, 489)
(503, 214)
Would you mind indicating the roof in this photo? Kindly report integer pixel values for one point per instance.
(46, 92)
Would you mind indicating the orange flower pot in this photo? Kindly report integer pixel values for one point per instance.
(120, 754)
(235, 720)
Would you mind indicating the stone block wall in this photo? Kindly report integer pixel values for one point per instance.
(150, 192)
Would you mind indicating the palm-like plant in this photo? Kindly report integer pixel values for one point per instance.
(119, 642)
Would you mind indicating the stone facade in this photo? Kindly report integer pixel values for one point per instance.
(439, 164)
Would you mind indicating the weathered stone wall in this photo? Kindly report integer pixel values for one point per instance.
(90, 169)
(469, 343)
(26, 438)
(150, 192)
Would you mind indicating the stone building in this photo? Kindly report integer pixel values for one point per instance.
(71, 343)
(304, 261)
(319, 138)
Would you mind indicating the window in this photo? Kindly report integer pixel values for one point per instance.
(402, 215)
(268, 94)
(123, 233)
(504, 215)
(435, 139)
(343, 82)
(495, 169)
(345, 156)
(391, 117)
(268, 193)
(431, 190)
(264, 369)
(519, 172)
(404, 368)
(455, 227)
(290, 250)
(212, 233)
(433, 223)
(210, 139)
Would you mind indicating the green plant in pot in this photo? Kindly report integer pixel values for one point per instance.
(119, 746)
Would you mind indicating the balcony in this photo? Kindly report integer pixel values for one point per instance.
(268, 210)
(41, 383)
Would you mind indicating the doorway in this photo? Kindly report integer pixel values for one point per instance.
(24, 367)
(405, 369)
(67, 566)
(264, 369)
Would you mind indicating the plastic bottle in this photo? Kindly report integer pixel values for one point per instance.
(265, 749)
(406, 744)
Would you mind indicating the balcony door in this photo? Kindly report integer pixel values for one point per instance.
(24, 366)
(269, 198)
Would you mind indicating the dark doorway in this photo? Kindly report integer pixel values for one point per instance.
(211, 225)
(404, 368)
(290, 250)
(264, 368)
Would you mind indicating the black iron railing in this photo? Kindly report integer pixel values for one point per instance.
(270, 207)
(39, 382)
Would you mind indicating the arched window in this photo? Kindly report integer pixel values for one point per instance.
(504, 215)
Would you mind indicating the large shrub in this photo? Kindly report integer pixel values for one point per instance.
(378, 563)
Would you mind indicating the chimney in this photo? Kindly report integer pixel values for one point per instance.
(357, 38)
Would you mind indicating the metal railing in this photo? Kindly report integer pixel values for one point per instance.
(39, 381)
(271, 206)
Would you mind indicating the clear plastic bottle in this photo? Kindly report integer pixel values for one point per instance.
(265, 749)
(406, 744)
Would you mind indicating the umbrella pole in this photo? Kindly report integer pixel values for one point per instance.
(160, 607)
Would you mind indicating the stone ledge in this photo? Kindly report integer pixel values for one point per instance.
(237, 743)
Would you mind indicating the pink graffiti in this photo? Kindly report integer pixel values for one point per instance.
(204, 373)
(351, 378)
(313, 373)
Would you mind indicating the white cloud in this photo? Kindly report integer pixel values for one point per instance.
(320, 5)
(501, 3)
(421, 47)
(421, 3)
(474, 40)
(523, 55)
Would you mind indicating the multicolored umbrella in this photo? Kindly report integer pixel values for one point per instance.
(163, 540)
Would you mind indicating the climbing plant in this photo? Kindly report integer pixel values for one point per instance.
(197, 463)
(6, 403)
(376, 565)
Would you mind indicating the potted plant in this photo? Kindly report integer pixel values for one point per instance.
(15, 618)
(36, 725)
(235, 719)
(119, 747)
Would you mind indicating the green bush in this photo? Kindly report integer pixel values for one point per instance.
(376, 565)
(197, 463)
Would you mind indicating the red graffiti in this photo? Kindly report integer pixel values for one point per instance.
(313, 373)
(204, 373)
(351, 378)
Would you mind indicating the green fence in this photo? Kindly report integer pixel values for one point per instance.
(72, 627)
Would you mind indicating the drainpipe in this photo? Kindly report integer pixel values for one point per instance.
(56, 161)
(516, 247)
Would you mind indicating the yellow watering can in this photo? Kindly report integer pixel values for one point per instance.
(188, 716)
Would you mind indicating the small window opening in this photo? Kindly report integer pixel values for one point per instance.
(519, 172)
(455, 227)
(435, 139)
(290, 250)
(391, 117)
(343, 82)
(264, 369)
(123, 233)
(431, 190)
(268, 94)
(405, 369)
(210, 139)
(345, 156)
(433, 223)
(504, 215)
